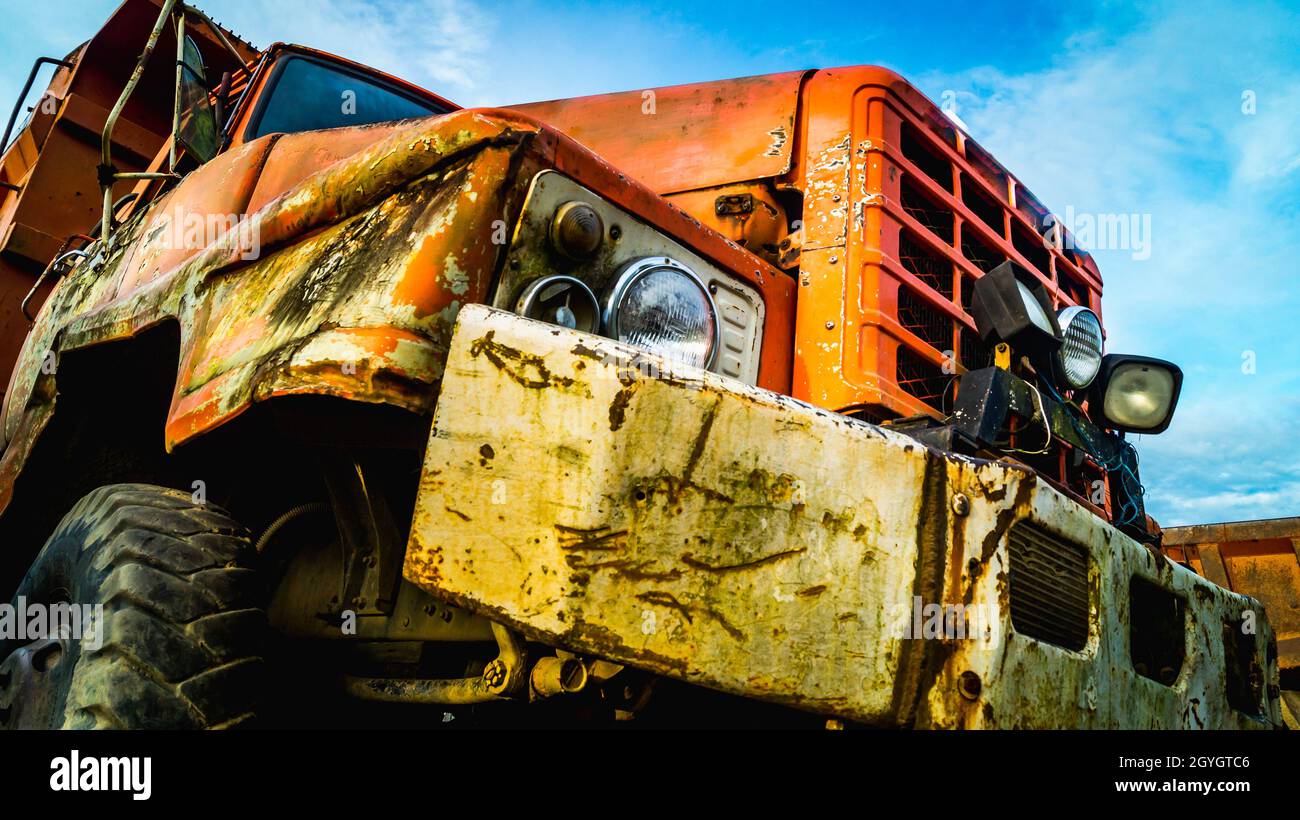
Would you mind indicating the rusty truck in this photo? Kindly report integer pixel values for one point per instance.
(774, 400)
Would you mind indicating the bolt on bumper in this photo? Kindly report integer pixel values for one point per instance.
(600, 499)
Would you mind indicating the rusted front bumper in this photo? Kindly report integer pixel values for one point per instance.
(599, 499)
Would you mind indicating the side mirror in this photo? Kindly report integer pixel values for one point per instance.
(196, 121)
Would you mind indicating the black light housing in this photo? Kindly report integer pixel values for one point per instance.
(1136, 394)
(1003, 314)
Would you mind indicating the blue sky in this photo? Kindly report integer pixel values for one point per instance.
(1102, 108)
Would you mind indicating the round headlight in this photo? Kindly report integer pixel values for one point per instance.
(661, 305)
(1080, 354)
(561, 300)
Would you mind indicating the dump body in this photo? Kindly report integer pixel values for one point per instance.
(1260, 559)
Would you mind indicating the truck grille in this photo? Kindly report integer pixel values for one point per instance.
(949, 214)
(1049, 588)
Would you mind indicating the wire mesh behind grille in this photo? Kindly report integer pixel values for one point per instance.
(974, 354)
(920, 377)
(925, 264)
(937, 219)
(1049, 588)
(979, 253)
(931, 162)
(1032, 248)
(1077, 292)
(986, 209)
(916, 314)
(947, 213)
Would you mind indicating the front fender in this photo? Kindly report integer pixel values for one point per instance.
(354, 280)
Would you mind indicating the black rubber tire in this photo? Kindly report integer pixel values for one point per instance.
(183, 629)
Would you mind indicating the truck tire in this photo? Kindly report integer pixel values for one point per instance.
(182, 629)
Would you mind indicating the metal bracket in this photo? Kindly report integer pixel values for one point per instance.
(25, 685)
(734, 204)
(502, 677)
(988, 397)
(55, 268)
(1002, 356)
(372, 546)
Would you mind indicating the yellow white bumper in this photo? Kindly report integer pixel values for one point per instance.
(599, 499)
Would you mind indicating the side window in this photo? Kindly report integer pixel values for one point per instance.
(310, 95)
(198, 122)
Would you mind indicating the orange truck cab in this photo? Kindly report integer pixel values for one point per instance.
(778, 387)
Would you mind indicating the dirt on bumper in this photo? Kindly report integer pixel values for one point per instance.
(602, 500)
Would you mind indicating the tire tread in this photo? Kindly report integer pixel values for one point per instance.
(182, 635)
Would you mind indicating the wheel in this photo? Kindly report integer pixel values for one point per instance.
(182, 630)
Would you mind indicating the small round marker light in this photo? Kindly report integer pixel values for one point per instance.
(577, 230)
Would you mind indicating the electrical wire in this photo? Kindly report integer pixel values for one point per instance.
(1047, 424)
(1131, 509)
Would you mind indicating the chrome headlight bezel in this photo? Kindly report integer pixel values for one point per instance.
(640, 268)
(531, 254)
(1079, 325)
(526, 303)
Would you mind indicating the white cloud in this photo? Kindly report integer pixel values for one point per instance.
(442, 44)
(1152, 122)
(1229, 456)
(1266, 140)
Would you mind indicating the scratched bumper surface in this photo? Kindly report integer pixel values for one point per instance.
(597, 499)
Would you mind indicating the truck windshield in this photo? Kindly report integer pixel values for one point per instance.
(309, 95)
